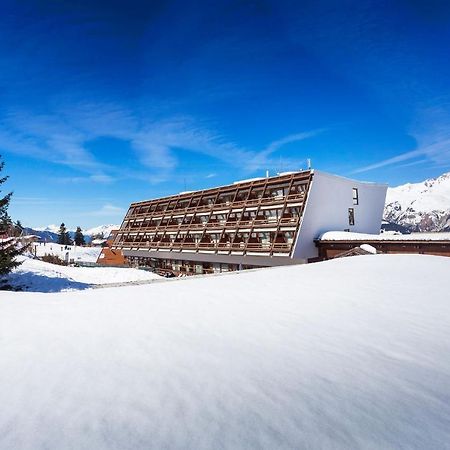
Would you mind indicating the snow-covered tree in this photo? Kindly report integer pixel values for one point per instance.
(63, 235)
(79, 237)
(10, 248)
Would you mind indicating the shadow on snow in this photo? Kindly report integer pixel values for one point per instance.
(31, 282)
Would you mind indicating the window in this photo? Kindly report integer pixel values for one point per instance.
(355, 196)
(351, 216)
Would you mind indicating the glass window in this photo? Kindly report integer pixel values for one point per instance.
(351, 216)
(355, 196)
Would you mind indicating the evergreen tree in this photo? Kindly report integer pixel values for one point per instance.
(18, 228)
(63, 235)
(9, 247)
(79, 237)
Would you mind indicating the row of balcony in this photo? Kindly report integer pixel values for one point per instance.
(269, 247)
(270, 222)
(263, 201)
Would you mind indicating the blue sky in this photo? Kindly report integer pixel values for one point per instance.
(103, 103)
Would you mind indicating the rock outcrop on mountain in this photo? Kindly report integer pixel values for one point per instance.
(421, 206)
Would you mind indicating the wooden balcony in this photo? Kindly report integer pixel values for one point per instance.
(263, 201)
(255, 223)
(215, 246)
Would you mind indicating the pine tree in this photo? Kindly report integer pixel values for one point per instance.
(9, 247)
(63, 235)
(79, 237)
(18, 228)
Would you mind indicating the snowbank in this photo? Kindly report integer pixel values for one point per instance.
(38, 276)
(349, 236)
(345, 354)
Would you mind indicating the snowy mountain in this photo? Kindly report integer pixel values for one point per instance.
(50, 233)
(104, 230)
(421, 206)
(50, 228)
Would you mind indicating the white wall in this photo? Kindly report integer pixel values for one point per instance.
(327, 206)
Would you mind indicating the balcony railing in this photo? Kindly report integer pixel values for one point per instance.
(215, 246)
(256, 223)
(263, 201)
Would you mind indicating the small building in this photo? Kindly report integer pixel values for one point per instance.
(261, 222)
(335, 244)
(98, 242)
(110, 257)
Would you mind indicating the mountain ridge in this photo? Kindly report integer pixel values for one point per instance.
(50, 233)
(420, 207)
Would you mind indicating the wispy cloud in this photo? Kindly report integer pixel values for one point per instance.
(431, 131)
(264, 159)
(276, 145)
(387, 162)
(62, 137)
(158, 145)
(50, 138)
(97, 178)
(32, 201)
(107, 210)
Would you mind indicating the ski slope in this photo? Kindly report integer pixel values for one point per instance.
(344, 354)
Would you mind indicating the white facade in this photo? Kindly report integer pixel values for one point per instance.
(327, 208)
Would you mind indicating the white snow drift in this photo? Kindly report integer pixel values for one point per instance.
(345, 354)
(38, 276)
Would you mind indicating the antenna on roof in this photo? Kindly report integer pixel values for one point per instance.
(267, 173)
(308, 163)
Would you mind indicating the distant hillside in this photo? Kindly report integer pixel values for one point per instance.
(45, 235)
(421, 206)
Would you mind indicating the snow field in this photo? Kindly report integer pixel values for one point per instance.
(76, 253)
(350, 353)
(39, 276)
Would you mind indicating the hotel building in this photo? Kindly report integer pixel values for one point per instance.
(252, 223)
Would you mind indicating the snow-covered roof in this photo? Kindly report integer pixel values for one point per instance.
(341, 177)
(248, 180)
(98, 241)
(387, 236)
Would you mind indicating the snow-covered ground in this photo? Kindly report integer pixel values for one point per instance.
(72, 252)
(345, 354)
(38, 276)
